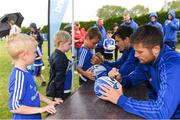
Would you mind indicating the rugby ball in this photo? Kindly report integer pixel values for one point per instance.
(99, 70)
(107, 81)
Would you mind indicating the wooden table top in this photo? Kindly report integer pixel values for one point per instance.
(83, 104)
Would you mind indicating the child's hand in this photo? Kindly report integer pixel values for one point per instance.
(49, 108)
(113, 73)
(56, 101)
(90, 75)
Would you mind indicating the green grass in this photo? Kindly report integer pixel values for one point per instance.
(5, 70)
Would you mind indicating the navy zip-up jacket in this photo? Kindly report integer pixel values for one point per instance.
(132, 24)
(103, 35)
(171, 28)
(60, 75)
(126, 63)
(164, 100)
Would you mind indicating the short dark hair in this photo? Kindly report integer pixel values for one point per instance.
(123, 32)
(93, 33)
(33, 25)
(148, 35)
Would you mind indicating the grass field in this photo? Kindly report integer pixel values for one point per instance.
(5, 69)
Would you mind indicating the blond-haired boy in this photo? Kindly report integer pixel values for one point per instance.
(24, 100)
(59, 86)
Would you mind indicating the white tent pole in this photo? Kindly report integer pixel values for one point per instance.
(73, 56)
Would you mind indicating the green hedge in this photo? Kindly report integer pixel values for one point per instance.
(141, 20)
(144, 19)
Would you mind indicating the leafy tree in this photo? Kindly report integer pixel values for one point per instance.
(109, 11)
(174, 5)
(44, 29)
(139, 10)
(25, 29)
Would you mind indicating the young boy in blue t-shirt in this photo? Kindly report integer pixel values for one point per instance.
(85, 54)
(24, 101)
(109, 46)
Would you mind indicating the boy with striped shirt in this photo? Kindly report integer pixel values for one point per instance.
(85, 54)
(24, 101)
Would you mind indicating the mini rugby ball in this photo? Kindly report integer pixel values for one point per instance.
(99, 70)
(107, 81)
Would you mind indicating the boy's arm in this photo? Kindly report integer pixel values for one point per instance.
(48, 101)
(119, 62)
(34, 110)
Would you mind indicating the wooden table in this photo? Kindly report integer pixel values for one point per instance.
(83, 104)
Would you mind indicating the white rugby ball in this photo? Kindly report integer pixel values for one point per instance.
(99, 70)
(107, 81)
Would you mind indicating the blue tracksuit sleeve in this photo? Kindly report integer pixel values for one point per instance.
(119, 62)
(129, 65)
(168, 96)
(136, 77)
(174, 25)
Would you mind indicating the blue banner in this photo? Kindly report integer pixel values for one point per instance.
(56, 13)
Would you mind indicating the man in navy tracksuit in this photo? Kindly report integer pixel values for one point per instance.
(99, 24)
(127, 62)
(129, 22)
(171, 26)
(153, 20)
(161, 68)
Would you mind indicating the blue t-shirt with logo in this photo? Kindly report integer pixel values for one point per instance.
(23, 91)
